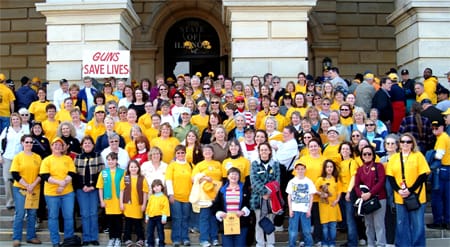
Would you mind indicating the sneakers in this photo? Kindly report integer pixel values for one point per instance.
(34, 241)
(318, 244)
(117, 243)
(187, 243)
(205, 244)
(140, 243)
(216, 243)
(128, 243)
(362, 242)
(279, 229)
(16, 243)
(111, 242)
(435, 226)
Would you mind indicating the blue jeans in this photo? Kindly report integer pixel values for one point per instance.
(208, 225)
(88, 202)
(306, 229)
(329, 233)
(180, 212)
(19, 202)
(193, 220)
(54, 204)
(440, 198)
(237, 240)
(410, 229)
(155, 222)
(4, 122)
(352, 232)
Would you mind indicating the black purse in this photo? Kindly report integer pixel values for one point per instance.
(371, 205)
(265, 223)
(412, 201)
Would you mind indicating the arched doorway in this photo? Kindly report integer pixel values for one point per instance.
(191, 45)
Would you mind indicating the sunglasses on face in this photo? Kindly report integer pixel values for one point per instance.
(406, 141)
(367, 154)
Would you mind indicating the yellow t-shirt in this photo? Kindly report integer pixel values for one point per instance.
(201, 122)
(300, 89)
(6, 96)
(109, 97)
(150, 133)
(145, 121)
(130, 147)
(132, 209)
(50, 128)
(346, 121)
(326, 211)
(301, 110)
(281, 122)
(180, 175)
(421, 97)
(158, 205)
(313, 168)
(259, 123)
(240, 163)
(443, 143)
(414, 165)
(210, 168)
(229, 124)
(332, 152)
(347, 169)
(112, 206)
(63, 115)
(94, 130)
(167, 147)
(58, 168)
(37, 108)
(429, 86)
(28, 168)
(124, 130)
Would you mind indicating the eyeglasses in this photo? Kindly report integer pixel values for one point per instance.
(307, 137)
(112, 107)
(356, 135)
(162, 89)
(390, 143)
(214, 102)
(309, 94)
(345, 109)
(325, 103)
(276, 82)
(180, 152)
(114, 141)
(176, 96)
(206, 88)
(28, 142)
(406, 141)
(123, 112)
(368, 125)
(317, 98)
(367, 154)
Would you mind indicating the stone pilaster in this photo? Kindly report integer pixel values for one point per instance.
(84, 24)
(268, 36)
(422, 37)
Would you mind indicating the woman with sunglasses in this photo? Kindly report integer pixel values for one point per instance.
(410, 228)
(369, 182)
(346, 114)
(374, 138)
(163, 96)
(25, 172)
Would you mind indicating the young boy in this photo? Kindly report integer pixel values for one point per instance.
(300, 190)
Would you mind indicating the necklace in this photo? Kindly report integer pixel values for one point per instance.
(366, 169)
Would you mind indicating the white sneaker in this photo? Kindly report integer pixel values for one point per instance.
(117, 243)
(111, 242)
(205, 244)
(302, 244)
(362, 242)
(216, 243)
(279, 229)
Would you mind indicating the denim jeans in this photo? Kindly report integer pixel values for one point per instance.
(300, 217)
(236, 240)
(208, 225)
(155, 222)
(88, 202)
(194, 220)
(410, 229)
(352, 232)
(4, 122)
(329, 234)
(440, 198)
(19, 201)
(180, 212)
(66, 204)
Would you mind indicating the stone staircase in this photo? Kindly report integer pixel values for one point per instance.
(7, 218)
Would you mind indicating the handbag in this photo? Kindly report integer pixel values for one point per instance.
(412, 201)
(371, 205)
(266, 224)
(5, 141)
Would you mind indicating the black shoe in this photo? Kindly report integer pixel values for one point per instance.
(10, 207)
(85, 243)
(95, 243)
(435, 226)
(344, 244)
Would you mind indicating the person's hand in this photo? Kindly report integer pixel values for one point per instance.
(308, 213)
(266, 196)
(334, 203)
(240, 213)
(366, 196)
(222, 215)
(291, 213)
(59, 190)
(404, 193)
(143, 208)
(121, 206)
(163, 221)
(347, 196)
(102, 204)
(30, 188)
(171, 199)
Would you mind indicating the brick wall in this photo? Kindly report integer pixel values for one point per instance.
(22, 40)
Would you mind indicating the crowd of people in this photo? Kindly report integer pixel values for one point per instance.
(203, 151)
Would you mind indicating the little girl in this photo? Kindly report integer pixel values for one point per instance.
(329, 189)
(109, 193)
(133, 200)
(156, 214)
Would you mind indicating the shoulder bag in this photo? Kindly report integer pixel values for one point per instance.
(412, 201)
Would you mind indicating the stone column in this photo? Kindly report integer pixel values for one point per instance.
(268, 36)
(80, 25)
(422, 36)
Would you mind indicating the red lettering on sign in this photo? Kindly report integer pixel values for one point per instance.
(106, 56)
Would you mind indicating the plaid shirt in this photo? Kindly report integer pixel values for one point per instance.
(259, 177)
(94, 162)
(409, 125)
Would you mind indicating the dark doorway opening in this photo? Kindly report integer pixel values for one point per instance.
(191, 45)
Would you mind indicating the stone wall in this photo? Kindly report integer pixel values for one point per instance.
(22, 40)
(354, 34)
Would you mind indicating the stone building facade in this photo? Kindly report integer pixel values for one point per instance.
(247, 37)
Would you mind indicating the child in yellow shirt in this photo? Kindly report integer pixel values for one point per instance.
(156, 214)
(133, 201)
